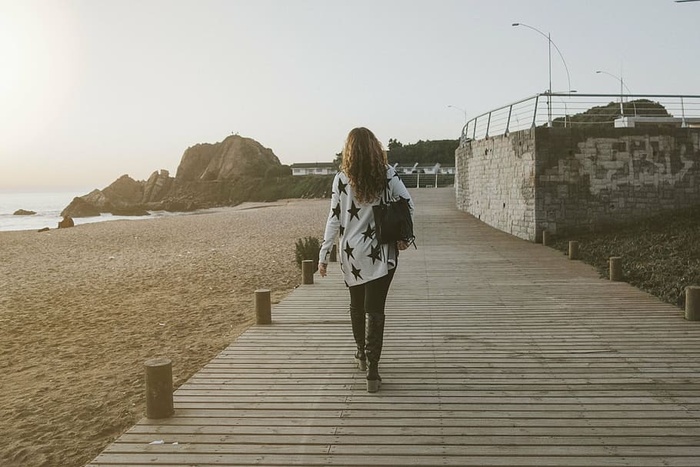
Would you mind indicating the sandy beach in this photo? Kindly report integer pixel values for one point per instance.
(81, 309)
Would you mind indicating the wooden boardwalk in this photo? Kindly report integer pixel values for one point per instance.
(498, 352)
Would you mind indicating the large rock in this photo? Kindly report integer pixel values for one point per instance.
(124, 192)
(157, 187)
(66, 222)
(232, 158)
(98, 199)
(80, 208)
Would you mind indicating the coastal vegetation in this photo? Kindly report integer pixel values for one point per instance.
(423, 152)
(427, 152)
(604, 115)
(660, 255)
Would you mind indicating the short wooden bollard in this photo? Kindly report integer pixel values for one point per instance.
(159, 388)
(334, 254)
(573, 249)
(692, 303)
(616, 268)
(263, 307)
(307, 272)
(545, 238)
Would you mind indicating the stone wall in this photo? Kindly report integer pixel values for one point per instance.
(496, 181)
(564, 179)
(588, 179)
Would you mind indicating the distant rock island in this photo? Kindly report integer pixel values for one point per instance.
(23, 212)
(227, 173)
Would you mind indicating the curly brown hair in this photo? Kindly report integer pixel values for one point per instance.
(365, 164)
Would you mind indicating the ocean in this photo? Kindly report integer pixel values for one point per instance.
(48, 207)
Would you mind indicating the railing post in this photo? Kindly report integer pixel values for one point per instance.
(488, 125)
(307, 272)
(683, 124)
(159, 388)
(474, 134)
(534, 113)
(692, 303)
(510, 111)
(263, 307)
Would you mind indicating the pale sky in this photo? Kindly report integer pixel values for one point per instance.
(94, 89)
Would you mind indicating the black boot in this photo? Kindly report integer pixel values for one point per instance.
(357, 318)
(373, 349)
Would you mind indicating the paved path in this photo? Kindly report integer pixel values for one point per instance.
(498, 352)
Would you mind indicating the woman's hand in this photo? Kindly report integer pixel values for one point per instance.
(323, 269)
(402, 244)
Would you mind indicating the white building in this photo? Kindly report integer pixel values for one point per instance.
(314, 168)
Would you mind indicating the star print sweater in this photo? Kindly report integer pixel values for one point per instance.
(362, 257)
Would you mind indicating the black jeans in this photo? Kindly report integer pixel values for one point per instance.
(370, 297)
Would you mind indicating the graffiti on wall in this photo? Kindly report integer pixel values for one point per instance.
(633, 160)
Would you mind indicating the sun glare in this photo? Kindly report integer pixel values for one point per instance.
(36, 64)
(12, 68)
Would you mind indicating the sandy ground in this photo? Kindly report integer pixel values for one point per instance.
(82, 309)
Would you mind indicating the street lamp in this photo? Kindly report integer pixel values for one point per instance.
(462, 110)
(622, 83)
(550, 43)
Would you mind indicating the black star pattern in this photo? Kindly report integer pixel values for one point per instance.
(376, 254)
(348, 251)
(356, 272)
(336, 211)
(341, 187)
(342, 230)
(354, 210)
(368, 234)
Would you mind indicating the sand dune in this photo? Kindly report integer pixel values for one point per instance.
(81, 309)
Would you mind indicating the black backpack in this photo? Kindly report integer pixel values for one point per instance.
(393, 222)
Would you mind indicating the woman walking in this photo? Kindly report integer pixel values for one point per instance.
(368, 267)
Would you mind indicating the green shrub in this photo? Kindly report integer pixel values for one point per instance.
(307, 248)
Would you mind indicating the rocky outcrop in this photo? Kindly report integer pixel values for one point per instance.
(234, 157)
(66, 222)
(157, 187)
(98, 200)
(220, 174)
(23, 212)
(80, 208)
(124, 192)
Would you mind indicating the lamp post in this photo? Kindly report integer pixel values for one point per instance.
(460, 109)
(550, 43)
(622, 84)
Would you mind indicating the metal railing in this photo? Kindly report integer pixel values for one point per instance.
(574, 109)
(419, 180)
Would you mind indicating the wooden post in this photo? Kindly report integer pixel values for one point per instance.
(263, 307)
(545, 238)
(573, 249)
(307, 272)
(159, 388)
(615, 268)
(692, 303)
(334, 253)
